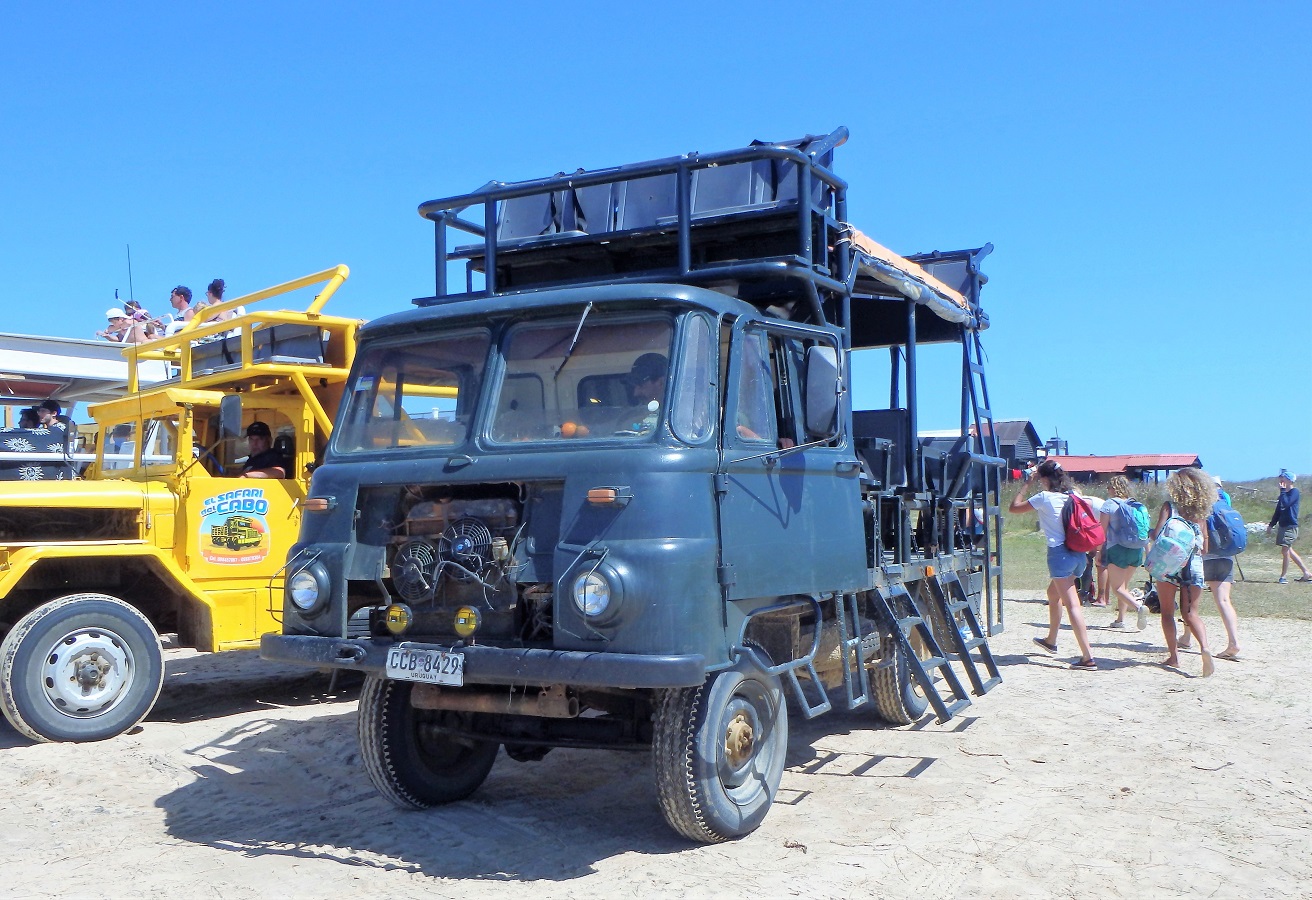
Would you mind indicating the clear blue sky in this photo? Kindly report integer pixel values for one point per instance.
(1142, 169)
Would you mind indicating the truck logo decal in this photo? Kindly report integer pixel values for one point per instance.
(233, 527)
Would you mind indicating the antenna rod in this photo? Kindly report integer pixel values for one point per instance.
(131, 295)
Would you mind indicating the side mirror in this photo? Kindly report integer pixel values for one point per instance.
(230, 416)
(823, 388)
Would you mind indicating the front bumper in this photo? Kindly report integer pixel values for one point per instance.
(499, 665)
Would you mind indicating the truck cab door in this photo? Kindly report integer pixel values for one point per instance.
(238, 532)
(790, 518)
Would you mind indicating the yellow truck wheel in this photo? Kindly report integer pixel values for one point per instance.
(80, 668)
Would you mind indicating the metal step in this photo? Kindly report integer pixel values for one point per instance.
(951, 594)
(900, 608)
(856, 681)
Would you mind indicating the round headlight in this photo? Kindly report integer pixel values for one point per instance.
(304, 590)
(591, 594)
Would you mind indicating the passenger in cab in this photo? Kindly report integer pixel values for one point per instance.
(263, 461)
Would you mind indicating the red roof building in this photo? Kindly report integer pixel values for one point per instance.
(1135, 466)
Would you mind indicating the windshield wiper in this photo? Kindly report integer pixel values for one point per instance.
(575, 341)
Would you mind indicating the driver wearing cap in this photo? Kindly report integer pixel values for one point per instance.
(263, 461)
(645, 384)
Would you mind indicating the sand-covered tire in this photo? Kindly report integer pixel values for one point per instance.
(898, 699)
(85, 667)
(411, 764)
(719, 751)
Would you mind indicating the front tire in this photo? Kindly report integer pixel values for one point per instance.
(410, 761)
(85, 667)
(719, 751)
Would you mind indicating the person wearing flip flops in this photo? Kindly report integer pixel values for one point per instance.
(1285, 521)
(1121, 557)
(1192, 493)
(1219, 573)
(1050, 484)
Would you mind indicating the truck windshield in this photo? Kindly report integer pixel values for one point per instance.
(614, 386)
(420, 393)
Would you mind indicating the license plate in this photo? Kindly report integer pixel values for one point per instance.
(429, 666)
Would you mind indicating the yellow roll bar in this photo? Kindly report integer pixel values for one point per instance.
(334, 276)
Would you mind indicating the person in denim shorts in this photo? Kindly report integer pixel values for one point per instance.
(1192, 493)
(1049, 485)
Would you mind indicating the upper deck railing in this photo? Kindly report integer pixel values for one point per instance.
(751, 215)
(209, 353)
(765, 223)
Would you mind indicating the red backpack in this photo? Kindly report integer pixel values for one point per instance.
(1084, 531)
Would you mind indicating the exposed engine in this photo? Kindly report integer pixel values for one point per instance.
(453, 546)
(448, 552)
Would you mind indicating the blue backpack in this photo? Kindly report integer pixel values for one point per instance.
(1130, 525)
(1226, 534)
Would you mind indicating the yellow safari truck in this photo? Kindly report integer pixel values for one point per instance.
(163, 534)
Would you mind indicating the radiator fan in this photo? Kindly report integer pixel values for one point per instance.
(467, 543)
(414, 570)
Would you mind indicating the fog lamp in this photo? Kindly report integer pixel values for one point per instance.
(467, 621)
(398, 618)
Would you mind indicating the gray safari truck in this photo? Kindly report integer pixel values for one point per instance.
(610, 491)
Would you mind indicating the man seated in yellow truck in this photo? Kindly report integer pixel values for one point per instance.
(263, 461)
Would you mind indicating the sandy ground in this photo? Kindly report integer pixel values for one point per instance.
(1133, 781)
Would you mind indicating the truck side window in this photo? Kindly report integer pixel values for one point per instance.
(695, 392)
(121, 446)
(757, 419)
(161, 441)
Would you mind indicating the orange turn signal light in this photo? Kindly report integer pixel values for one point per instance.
(603, 496)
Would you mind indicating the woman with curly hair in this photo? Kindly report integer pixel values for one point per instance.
(1192, 493)
(1121, 561)
(1052, 486)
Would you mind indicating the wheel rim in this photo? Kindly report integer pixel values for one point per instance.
(744, 743)
(86, 673)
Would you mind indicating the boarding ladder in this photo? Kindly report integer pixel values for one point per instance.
(895, 606)
(986, 492)
(964, 632)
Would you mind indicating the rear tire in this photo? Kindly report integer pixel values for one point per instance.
(85, 667)
(898, 699)
(719, 751)
(410, 762)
